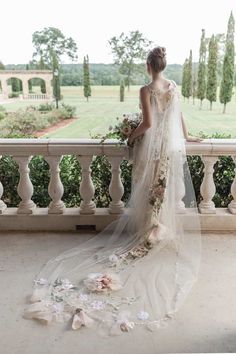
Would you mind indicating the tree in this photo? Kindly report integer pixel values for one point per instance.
(129, 50)
(122, 91)
(221, 40)
(184, 79)
(201, 82)
(87, 87)
(188, 83)
(211, 89)
(15, 85)
(42, 66)
(51, 42)
(194, 84)
(235, 83)
(56, 79)
(227, 82)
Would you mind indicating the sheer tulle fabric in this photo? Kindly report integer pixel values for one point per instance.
(139, 270)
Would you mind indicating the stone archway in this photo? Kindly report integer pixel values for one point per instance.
(25, 76)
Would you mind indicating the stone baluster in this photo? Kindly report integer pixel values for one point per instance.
(208, 188)
(25, 188)
(55, 187)
(87, 206)
(116, 188)
(232, 204)
(2, 204)
(180, 192)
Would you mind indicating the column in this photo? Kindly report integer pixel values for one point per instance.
(25, 88)
(5, 90)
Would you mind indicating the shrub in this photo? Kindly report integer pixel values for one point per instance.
(69, 110)
(27, 121)
(2, 115)
(46, 107)
(14, 94)
(101, 176)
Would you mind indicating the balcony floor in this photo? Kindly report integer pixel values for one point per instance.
(206, 322)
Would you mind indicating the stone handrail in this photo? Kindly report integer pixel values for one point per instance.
(22, 151)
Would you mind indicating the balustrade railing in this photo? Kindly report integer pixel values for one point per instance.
(53, 150)
(37, 96)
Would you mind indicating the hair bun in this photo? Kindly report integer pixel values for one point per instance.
(159, 52)
(157, 59)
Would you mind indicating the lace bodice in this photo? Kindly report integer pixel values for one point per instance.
(161, 97)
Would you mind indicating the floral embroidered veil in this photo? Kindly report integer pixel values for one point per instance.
(140, 268)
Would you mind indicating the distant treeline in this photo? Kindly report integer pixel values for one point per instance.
(105, 74)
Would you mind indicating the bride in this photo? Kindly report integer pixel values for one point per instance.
(140, 268)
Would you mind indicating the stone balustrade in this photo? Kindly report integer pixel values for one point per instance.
(37, 96)
(27, 216)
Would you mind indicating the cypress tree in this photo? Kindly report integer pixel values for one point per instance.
(194, 84)
(189, 68)
(15, 84)
(211, 90)
(201, 80)
(29, 82)
(184, 78)
(227, 82)
(122, 91)
(87, 87)
(56, 79)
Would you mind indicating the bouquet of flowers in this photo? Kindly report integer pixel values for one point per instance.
(126, 125)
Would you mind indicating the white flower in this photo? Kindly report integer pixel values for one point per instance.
(83, 297)
(66, 284)
(58, 307)
(98, 305)
(63, 284)
(41, 281)
(143, 315)
(113, 258)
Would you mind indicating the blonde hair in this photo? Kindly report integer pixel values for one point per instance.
(157, 59)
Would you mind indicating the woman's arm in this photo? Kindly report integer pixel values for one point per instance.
(147, 116)
(186, 136)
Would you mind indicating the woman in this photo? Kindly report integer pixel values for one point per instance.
(139, 270)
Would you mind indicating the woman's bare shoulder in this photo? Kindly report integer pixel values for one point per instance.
(144, 90)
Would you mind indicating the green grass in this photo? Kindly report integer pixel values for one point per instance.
(103, 107)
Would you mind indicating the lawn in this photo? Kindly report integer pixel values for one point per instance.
(103, 107)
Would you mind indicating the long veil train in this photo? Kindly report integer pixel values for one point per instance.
(140, 268)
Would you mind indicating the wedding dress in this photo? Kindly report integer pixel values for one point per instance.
(140, 268)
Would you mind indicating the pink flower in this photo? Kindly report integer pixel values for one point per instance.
(126, 131)
(99, 282)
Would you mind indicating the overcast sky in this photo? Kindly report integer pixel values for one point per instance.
(174, 24)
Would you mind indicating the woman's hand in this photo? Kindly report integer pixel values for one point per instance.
(130, 141)
(194, 139)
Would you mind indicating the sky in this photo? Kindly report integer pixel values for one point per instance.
(91, 23)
